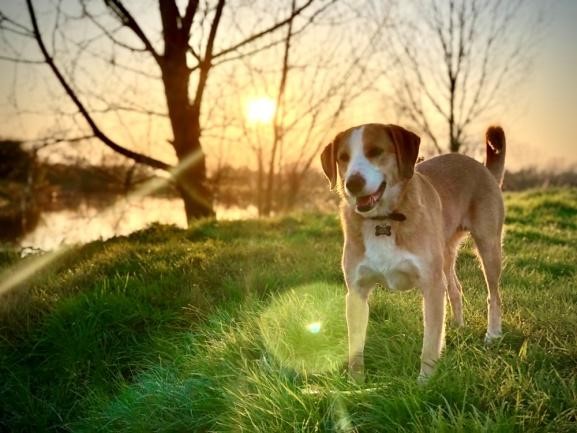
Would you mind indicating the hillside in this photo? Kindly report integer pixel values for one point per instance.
(239, 326)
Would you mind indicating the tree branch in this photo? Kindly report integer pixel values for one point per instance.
(206, 62)
(128, 20)
(110, 35)
(264, 32)
(40, 143)
(17, 60)
(189, 14)
(16, 28)
(138, 157)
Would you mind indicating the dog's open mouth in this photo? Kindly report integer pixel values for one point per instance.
(367, 202)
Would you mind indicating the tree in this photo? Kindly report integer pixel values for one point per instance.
(185, 53)
(454, 61)
(313, 85)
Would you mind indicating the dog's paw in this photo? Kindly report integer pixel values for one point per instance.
(457, 323)
(356, 369)
(357, 376)
(491, 338)
(423, 378)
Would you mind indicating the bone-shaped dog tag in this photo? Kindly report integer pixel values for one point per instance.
(383, 229)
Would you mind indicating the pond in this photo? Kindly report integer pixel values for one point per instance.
(88, 222)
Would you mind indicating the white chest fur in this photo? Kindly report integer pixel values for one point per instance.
(385, 262)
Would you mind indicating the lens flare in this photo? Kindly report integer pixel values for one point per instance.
(304, 329)
(26, 269)
(314, 327)
(29, 267)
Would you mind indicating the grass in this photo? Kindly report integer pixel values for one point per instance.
(239, 326)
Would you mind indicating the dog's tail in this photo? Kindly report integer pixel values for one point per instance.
(496, 149)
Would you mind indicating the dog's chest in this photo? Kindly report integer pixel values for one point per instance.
(385, 262)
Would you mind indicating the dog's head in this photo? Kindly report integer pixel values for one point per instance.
(372, 162)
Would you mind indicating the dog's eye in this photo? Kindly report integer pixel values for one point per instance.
(373, 152)
(344, 157)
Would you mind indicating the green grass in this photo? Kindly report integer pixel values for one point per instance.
(239, 326)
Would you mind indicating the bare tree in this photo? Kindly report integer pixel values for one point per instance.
(191, 44)
(277, 131)
(455, 60)
(313, 85)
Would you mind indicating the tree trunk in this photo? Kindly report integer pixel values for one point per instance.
(185, 121)
(191, 172)
(192, 183)
(292, 182)
(259, 183)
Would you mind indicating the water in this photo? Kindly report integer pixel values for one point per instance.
(88, 223)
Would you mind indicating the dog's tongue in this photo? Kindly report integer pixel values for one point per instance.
(367, 202)
(364, 201)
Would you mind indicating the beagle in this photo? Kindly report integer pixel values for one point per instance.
(403, 224)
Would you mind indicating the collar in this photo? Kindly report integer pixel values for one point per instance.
(393, 216)
(385, 229)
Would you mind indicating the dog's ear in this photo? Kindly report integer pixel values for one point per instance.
(329, 162)
(406, 149)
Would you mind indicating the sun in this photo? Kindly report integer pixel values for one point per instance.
(260, 110)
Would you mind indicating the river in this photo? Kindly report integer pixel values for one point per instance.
(87, 223)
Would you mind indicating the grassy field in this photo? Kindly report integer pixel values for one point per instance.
(239, 327)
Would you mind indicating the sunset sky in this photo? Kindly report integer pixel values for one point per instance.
(540, 115)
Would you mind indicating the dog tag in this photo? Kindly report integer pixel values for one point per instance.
(384, 229)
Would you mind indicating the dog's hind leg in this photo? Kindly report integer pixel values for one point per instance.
(489, 249)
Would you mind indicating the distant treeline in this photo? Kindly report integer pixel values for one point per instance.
(68, 180)
(237, 186)
(61, 185)
(529, 178)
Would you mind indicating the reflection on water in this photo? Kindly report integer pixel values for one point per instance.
(88, 223)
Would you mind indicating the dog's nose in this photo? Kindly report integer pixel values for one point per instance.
(355, 183)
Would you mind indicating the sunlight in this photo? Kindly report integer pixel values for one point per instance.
(260, 110)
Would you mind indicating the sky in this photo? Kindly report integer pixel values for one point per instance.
(545, 126)
(539, 116)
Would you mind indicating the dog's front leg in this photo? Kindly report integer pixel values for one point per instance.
(360, 282)
(434, 324)
(357, 321)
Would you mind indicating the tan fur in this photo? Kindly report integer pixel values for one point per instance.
(443, 199)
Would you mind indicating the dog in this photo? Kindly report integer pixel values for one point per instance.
(403, 224)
